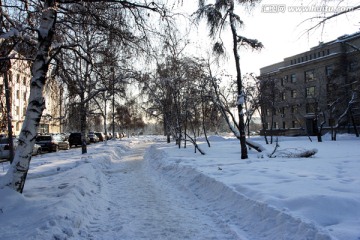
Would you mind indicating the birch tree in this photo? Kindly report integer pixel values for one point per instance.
(43, 29)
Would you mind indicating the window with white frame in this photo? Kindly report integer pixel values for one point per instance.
(309, 75)
(310, 92)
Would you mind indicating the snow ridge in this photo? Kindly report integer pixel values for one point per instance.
(251, 219)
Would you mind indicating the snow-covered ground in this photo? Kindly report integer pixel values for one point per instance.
(143, 188)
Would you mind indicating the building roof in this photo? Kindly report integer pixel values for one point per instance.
(292, 60)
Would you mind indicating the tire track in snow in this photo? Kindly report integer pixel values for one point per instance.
(142, 205)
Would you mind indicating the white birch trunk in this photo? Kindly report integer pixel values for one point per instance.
(16, 176)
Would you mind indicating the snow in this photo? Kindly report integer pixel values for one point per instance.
(143, 188)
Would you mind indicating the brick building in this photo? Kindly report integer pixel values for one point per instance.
(313, 89)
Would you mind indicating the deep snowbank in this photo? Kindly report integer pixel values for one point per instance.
(249, 217)
(64, 193)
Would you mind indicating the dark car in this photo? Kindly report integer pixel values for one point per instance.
(48, 143)
(75, 139)
(101, 136)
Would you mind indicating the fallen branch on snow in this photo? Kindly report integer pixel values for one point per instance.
(294, 153)
(258, 147)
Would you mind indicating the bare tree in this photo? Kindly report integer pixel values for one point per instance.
(217, 15)
(41, 27)
(323, 18)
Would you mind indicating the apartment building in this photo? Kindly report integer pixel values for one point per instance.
(19, 77)
(319, 87)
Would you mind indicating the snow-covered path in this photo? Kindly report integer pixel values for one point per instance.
(142, 205)
(142, 188)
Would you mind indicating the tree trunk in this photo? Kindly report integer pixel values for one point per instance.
(244, 154)
(203, 122)
(9, 117)
(319, 137)
(83, 123)
(16, 175)
(263, 121)
(353, 123)
(105, 116)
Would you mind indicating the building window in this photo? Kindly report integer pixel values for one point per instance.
(311, 107)
(1, 88)
(24, 111)
(17, 94)
(283, 96)
(293, 109)
(44, 128)
(310, 57)
(310, 92)
(309, 75)
(267, 112)
(24, 81)
(293, 78)
(24, 95)
(17, 111)
(276, 125)
(293, 93)
(284, 125)
(18, 78)
(293, 124)
(329, 70)
(282, 110)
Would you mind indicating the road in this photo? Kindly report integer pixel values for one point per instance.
(142, 205)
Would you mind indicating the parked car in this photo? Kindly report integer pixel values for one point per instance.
(62, 142)
(116, 135)
(5, 148)
(108, 136)
(93, 137)
(48, 143)
(65, 136)
(101, 136)
(75, 139)
(36, 149)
